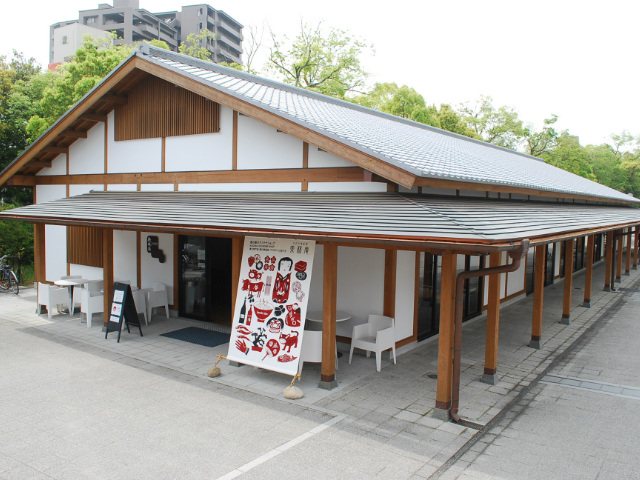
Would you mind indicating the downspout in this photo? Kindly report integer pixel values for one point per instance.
(516, 254)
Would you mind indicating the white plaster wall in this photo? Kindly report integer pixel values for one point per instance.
(156, 187)
(90, 273)
(47, 193)
(123, 187)
(260, 146)
(439, 191)
(82, 189)
(127, 156)
(556, 266)
(124, 256)
(240, 187)
(152, 269)
(360, 284)
(86, 155)
(516, 280)
(209, 151)
(347, 187)
(405, 293)
(58, 166)
(319, 159)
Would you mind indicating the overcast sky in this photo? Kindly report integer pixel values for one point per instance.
(577, 59)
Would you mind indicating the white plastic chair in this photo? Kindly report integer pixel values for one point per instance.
(377, 335)
(157, 297)
(51, 296)
(311, 350)
(92, 299)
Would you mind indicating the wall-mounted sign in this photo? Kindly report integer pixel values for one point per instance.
(271, 304)
(153, 247)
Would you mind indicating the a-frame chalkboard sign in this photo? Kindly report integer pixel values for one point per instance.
(123, 309)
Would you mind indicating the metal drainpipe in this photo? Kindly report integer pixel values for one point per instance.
(516, 255)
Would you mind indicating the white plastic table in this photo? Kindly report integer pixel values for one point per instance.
(70, 283)
(316, 316)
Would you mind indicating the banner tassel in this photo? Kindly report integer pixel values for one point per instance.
(292, 392)
(215, 370)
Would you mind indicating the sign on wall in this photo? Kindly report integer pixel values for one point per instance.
(271, 303)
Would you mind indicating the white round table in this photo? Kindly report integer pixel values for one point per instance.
(70, 283)
(316, 316)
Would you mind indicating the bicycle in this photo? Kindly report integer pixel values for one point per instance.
(8, 278)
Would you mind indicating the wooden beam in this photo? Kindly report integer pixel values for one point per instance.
(329, 174)
(107, 271)
(445, 337)
(74, 133)
(138, 259)
(234, 142)
(627, 265)
(636, 244)
(305, 164)
(114, 99)
(618, 236)
(389, 296)
(538, 295)
(237, 245)
(588, 276)
(38, 164)
(493, 323)
(568, 281)
(608, 260)
(55, 149)
(329, 299)
(94, 117)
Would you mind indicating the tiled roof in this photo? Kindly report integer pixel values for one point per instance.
(404, 217)
(422, 150)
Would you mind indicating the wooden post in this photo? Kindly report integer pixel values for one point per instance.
(329, 299)
(627, 263)
(608, 260)
(568, 281)
(618, 238)
(39, 252)
(445, 337)
(588, 276)
(538, 295)
(390, 267)
(493, 323)
(237, 245)
(107, 269)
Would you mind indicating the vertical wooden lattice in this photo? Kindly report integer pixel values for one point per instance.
(156, 108)
(84, 246)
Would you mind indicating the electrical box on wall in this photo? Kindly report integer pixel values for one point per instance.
(153, 247)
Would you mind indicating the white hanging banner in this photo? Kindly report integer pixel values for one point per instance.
(271, 303)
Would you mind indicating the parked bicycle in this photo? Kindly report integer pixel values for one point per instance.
(8, 278)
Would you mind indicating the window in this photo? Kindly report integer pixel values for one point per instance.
(200, 13)
(65, 40)
(90, 20)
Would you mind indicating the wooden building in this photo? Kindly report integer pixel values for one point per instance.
(420, 224)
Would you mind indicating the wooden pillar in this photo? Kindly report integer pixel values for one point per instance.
(538, 295)
(329, 299)
(445, 337)
(237, 245)
(588, 275)
(493, 323)
(635, 247)
(627, 263)
(608, 260)
(390, 267)
(618, 238)
(107, 269)
(39, 253)
(568, 281)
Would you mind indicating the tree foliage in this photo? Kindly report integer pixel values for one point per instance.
(500, 126)
(195, 45)
(325, 61)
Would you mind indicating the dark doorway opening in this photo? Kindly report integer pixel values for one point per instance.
(205, 279)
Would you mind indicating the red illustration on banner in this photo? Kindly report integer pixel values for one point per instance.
(293, 316)
(290, 340)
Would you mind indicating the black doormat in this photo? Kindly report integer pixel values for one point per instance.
(200, 336)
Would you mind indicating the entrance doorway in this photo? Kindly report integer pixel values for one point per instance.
(205, 279)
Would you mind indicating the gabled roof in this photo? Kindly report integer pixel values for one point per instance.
(400, 150)
(409, 219)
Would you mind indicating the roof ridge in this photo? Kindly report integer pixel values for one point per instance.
(215, 67)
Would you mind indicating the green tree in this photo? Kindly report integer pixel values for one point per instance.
(570, 156)
(500, 126)
(16, 240)
(327, 62)
(402, 101)
(195, 45)
(539, 142)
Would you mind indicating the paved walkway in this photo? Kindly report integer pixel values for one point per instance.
(78, 406)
